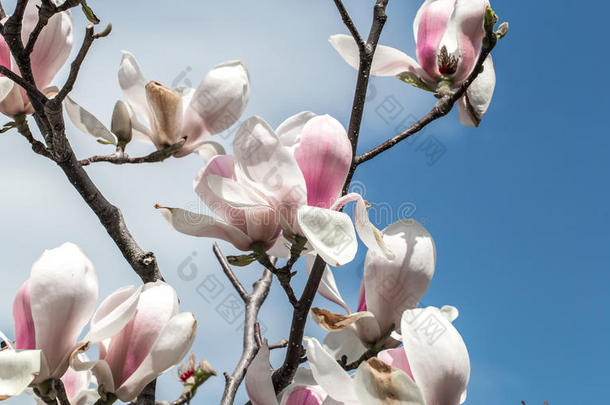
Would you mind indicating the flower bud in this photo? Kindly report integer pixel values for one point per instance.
(121, 123)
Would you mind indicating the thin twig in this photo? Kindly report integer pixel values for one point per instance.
(279, 345)
(32, 91)
(37, 146)
(364, 71)
(347, 20)
(252, 337)
(230, 274)
(122, 158)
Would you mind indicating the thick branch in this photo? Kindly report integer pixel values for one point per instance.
(250, 347)
(284, 375)
(121, 158)
(60, 391)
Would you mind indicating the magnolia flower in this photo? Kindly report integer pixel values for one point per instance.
(49, 55)
(50, 311)
(140, 335)
(290, 179)
(172, 114)
(389, 287)
(449, 36)
(432, 368)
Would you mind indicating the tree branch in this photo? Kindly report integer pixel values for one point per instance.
(347, 20)
(121, 158)
(60, 391)
(364, 72)
(253, 301)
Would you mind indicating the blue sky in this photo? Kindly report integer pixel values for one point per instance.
(519, 208)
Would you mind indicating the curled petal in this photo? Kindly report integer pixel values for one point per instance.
(63, 295)
(396, 358)
(258, 379)
(336, 322)
(194, 224)
(330, 233)
(209, 149)
(86, 122)
(437, 355)
(347, 343)
(370, 235)
(17, 370)
(378, 383)
(114, 313)
(303, 396)
(431, 23)
(392, 286)
(216, 104)
(473, 105)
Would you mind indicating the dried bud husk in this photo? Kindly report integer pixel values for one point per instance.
(206, 368)
(121, 123)
(502, 30)
(166, 107)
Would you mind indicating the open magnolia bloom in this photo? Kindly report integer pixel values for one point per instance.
(289, 178)
(389, 287)
(449, 36)
(432, 368)
(140, 335)
(50, 311)
(49, 55)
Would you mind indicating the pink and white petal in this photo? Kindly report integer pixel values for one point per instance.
(133, 84)
(281, 248)
(437, 355)
(330, 233)
(85, 397)
(63, 295)
(361, 298)
(378, 383)
(392, 286)
(396, 358)
(113, 314)
(223, 166)
(17, 370)
(194, 224)
(418, 16)
(290, 130)
(328, 373)
(75, 382)
(369, 234)
(25, 333)
(328, 287)
(465, 32)
(217, 103)
(345, 343)
(87, 122)
(6, 86)
(386, 62)
(172, 344)
(324, 155)
(53, 46)
(303, 396)
(140, 131)
(269, 167)
(13, 102)
(475, 103)
(259, 385)
(303, 378)
(127, 350)
(432, 28)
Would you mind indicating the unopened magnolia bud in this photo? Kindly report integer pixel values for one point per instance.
(121, 123)
(502, 30)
